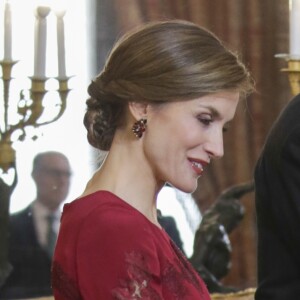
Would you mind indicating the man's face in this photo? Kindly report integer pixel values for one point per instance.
(52, 178)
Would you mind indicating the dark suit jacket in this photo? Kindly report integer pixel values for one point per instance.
(277, 185)
(31, 264)
(169, 225)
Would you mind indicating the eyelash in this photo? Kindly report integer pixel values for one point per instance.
(205, 121)
(208, 121)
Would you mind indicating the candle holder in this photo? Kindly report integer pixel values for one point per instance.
(30, 113)
(293, 71)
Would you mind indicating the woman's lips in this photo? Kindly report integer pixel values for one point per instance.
(198, 166)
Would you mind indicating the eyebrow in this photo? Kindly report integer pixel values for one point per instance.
(213, 111)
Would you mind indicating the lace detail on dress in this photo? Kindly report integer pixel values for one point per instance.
(137, 285)
(63, 283)
(172, 280)
(187, 271)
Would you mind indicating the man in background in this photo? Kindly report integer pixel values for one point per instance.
(168, 223)
(33, 231)
(277, 195)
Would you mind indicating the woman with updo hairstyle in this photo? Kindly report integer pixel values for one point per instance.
(159, 108)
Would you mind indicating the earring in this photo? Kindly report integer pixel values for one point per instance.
(139, 127)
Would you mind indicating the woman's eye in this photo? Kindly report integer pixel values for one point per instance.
(205, 120)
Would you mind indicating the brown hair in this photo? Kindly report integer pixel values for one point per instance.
(159, 62)
(37, 163)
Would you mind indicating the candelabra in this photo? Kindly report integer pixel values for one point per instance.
(293, 71)
(29, 112)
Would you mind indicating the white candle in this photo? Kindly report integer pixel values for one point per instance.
(295, 27)
(61, 44)
(40, 38)
(7, 32)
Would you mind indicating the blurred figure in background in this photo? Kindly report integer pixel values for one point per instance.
(168, 223)
(33, 231)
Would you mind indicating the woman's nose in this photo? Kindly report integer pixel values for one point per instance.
(215, 146)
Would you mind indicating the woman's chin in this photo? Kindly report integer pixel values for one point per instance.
(186, 188)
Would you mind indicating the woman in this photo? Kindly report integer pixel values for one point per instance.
(159, 108)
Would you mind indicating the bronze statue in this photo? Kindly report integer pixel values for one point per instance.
(212, 248)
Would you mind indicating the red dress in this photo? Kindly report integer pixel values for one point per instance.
(107, 249)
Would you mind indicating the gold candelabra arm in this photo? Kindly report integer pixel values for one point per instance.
(36, 107)
(63, 92)
(6, 76)
(7, 155)
(32, 109)
(293, 71)
(29, 110)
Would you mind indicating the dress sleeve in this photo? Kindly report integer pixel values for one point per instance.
(116, 258)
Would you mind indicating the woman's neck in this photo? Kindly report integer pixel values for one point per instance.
(126, 173)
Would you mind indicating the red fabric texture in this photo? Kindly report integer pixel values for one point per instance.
(107, 249)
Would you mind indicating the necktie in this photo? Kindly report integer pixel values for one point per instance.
(51, 235)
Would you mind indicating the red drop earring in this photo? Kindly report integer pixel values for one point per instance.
(139, 127)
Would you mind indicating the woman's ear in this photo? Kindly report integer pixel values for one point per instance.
(138, 110)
